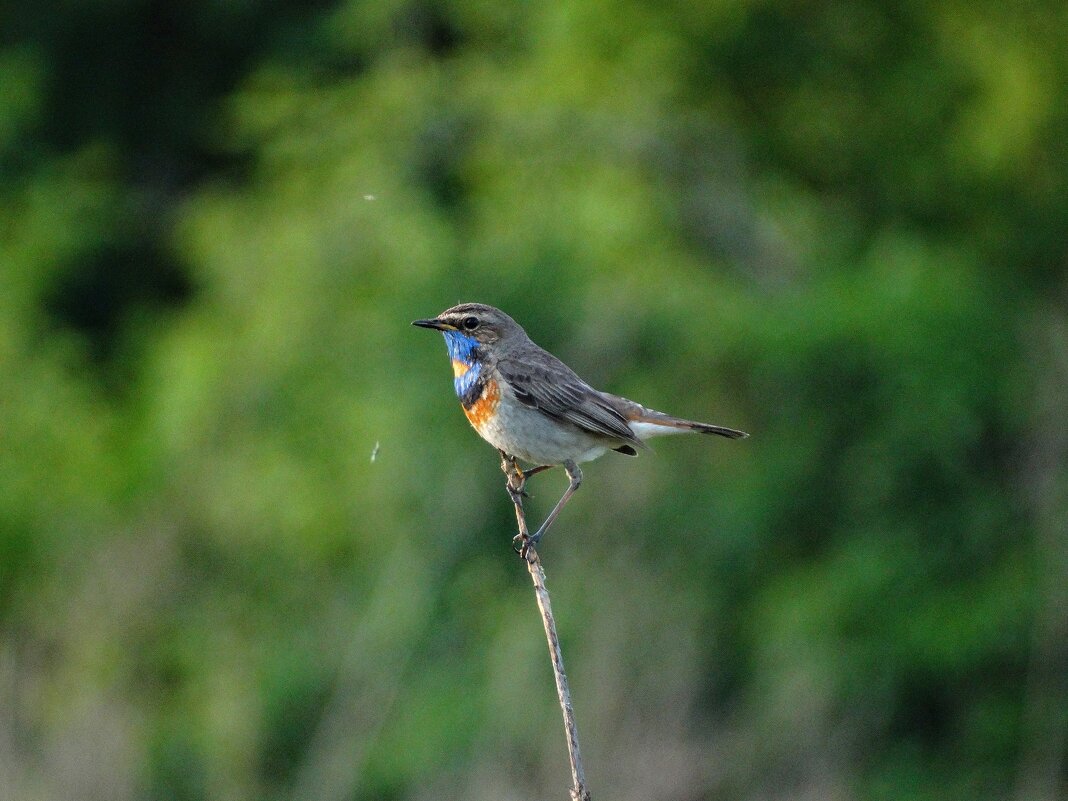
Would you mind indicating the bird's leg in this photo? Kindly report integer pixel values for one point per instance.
(575, 475)
(515, 481)
(516, 477)
(533, 471)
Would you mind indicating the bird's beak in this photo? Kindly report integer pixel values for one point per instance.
(434, 323)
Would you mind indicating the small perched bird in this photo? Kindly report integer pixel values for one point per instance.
(531, 406)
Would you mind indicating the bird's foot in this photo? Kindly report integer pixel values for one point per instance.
(515, 479)
(515, 483)
(523, 544)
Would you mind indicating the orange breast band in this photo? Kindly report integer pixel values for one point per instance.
(483, 410)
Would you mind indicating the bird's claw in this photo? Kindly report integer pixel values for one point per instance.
(517, 495)
(515, 485)
(522, 544)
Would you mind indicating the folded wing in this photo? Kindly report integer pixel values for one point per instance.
(543, 382)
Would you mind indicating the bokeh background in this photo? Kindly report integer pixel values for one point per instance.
(840, 226)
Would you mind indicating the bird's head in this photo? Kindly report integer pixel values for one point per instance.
(473, 325)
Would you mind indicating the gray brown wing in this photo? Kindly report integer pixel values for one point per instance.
(543, 382)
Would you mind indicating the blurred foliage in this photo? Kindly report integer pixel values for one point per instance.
(839, 226)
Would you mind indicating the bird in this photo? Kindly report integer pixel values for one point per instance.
(532, 407)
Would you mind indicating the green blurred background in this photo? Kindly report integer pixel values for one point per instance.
(840, 226)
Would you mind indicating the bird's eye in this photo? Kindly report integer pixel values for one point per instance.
(470, 323)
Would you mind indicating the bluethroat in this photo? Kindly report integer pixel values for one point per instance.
(531, 406)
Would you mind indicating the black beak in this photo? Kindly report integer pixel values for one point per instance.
(435, 323)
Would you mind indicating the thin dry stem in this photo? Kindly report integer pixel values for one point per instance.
(516, 480)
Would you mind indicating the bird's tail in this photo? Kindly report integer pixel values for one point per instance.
(653, 422)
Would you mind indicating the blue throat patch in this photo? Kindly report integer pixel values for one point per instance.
(460, 345)
(465, 364)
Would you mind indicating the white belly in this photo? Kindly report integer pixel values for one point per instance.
(529, 435)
